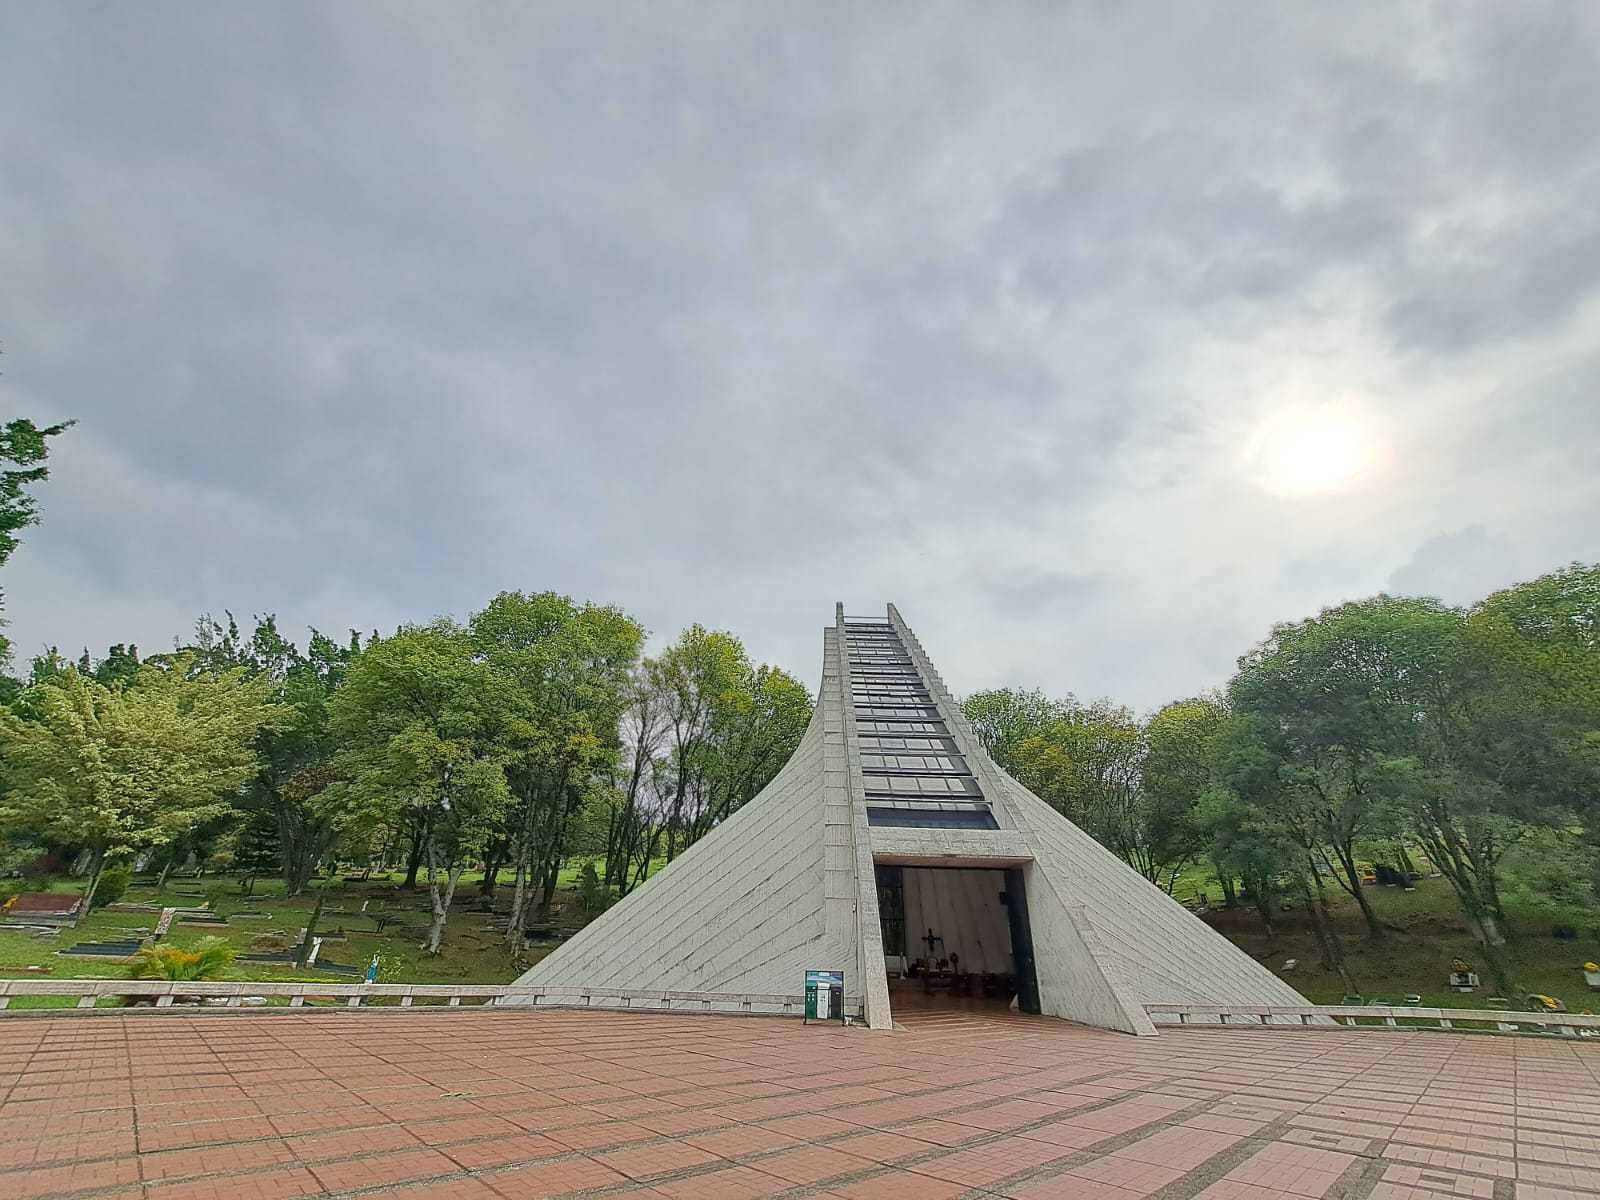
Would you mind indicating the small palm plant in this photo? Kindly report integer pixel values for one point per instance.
(206, 959)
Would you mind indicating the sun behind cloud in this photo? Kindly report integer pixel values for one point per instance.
(1301, 450)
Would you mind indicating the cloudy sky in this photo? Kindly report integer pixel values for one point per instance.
(1096, 336)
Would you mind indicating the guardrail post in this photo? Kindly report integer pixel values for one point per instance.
(87, 1001)
(297, 1001)
(455, 1001)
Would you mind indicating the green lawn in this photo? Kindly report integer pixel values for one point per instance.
(473, 950)
(1416, 960)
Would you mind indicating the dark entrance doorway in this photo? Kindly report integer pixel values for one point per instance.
(956, 936)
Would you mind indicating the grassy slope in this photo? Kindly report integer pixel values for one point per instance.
(1418, 959)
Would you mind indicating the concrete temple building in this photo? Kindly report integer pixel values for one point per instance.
(892, 848)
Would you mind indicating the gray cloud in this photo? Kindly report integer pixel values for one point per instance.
(1460, 567)
(369, 311)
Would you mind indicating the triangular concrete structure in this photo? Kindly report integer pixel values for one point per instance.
(889, 788)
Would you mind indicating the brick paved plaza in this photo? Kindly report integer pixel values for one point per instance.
(516, 1104)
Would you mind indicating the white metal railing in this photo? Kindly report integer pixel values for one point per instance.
(1374, 1016)
(164, 994)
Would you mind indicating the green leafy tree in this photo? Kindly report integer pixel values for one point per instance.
(1333, 697)
(1273, 826)
(1503, 704)
(1178, 770)
(1004, 718)
(422, 723)
(128, 768)
(294, 753)
(1088, 762)
(729, 726)
(24, 447)
(565, 668)
(1244, 843)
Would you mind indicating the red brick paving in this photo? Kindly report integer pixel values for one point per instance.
(515, 1105)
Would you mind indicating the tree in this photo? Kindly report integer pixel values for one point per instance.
(728, 727)
(1333, 697)
(1244, 844)
(126, 768)
(631, 831)
(1087, 761)
(566, 668)
(756, 727)
(295, 756)
(422, 723)
(1504, 707)
(1179, 768)
(294, 753)
(1274, 827)
(1004, 718)
(24, 447)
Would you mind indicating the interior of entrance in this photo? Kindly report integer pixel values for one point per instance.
(951, 936)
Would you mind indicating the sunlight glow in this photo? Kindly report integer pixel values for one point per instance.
(1301, 451)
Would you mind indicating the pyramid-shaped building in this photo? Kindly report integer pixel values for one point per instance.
(892, 848)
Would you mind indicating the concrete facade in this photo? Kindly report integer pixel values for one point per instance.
(890, 772)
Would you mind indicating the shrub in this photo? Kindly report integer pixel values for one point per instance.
(114, 883)
(206, 959)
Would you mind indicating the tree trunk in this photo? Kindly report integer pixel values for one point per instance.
(492, 862)
(166, 869)
(414, 857)
(1230, 898)
(1352, 884)
(552, 876)
(440, 902)
(519, 906)
(1452, 856)
(1493, 942)
(97, 868)
(1264, 910)
(1328, 943)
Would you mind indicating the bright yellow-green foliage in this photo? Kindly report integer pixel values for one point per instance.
(207, 959)
(126, 767)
